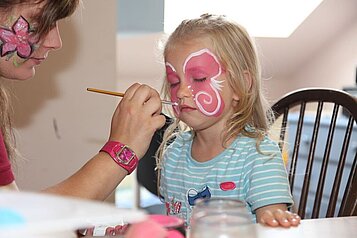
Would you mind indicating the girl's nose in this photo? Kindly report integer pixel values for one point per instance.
(53, 39)
(184, 90)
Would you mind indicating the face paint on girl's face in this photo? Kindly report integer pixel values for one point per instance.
(202, 69)
(19, 39)
(174, 82)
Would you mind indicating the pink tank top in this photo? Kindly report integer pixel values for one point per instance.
(6, 174)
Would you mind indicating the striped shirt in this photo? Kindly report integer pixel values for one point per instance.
(239, 172)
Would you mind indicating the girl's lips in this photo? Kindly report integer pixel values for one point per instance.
(186, 108)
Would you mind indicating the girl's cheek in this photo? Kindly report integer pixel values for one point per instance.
(173, 94)
(174, 98)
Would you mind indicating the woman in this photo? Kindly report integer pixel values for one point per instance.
(28, 32)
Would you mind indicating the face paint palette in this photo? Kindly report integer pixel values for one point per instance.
(28, 214)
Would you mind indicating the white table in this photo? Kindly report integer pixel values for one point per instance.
(338, 227)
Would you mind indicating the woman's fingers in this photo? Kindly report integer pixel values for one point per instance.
(137, 117)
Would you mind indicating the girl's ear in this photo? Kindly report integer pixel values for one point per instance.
(248, 79)
(248, 82)
(235, 97)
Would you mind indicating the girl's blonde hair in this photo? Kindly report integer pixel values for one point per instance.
(237, 54)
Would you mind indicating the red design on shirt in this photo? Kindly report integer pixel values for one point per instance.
(226, 186)
(173, 207)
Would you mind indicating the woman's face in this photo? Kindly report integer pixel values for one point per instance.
(20, 49)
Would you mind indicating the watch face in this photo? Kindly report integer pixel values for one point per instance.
(125, 155)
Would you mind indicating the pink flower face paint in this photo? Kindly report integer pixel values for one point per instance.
(17, 39)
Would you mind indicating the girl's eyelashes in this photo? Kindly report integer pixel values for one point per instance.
(200, 79)
(173, 81)
(176, 83)
(172, 85)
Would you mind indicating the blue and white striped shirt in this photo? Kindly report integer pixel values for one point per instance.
(239, 172)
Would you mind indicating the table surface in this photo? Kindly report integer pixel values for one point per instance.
(338, 227)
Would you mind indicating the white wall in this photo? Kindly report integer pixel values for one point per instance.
(58, 92)
(139, 60)
(334, 66)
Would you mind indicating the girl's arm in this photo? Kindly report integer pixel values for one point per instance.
(277, 215)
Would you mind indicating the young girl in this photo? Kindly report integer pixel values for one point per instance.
(212, 72)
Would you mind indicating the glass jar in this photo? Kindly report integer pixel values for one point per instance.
(221, 218)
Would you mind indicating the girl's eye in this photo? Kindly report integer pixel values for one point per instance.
(173, 81)
(200, 79)
(172, 85)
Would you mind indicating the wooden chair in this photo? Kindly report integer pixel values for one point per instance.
(322, 150)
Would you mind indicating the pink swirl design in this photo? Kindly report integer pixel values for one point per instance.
(206, 94)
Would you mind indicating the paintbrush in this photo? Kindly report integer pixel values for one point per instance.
(122, 95)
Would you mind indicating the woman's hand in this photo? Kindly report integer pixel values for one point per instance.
(134, 122)
(137, 117)
(277, 215)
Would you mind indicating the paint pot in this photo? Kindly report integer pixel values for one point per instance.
(171, 223)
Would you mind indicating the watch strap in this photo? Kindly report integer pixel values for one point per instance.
(122, 155)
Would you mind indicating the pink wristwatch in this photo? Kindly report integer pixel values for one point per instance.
(122, 155)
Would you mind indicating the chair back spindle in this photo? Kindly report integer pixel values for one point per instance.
(322, 164)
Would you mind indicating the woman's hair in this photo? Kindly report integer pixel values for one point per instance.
(50, 13)
(5, 122)
(237, 54)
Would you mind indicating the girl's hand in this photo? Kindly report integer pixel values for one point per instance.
(277, 215)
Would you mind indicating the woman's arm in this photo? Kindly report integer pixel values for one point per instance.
(134, 122)
(10, 186)
(95, 180)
